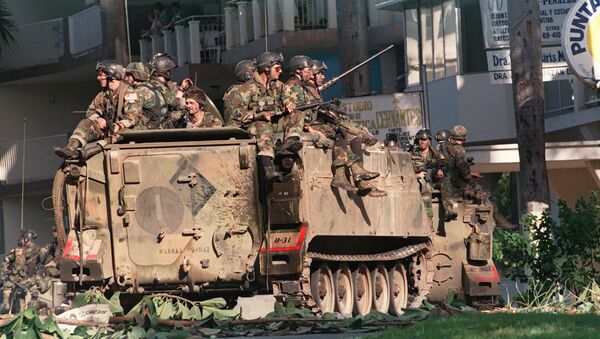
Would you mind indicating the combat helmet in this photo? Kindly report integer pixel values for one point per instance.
(299, 62)
(138, 70)
(459, 132)
(112, 68)
(27, 236)
(442, 136)
(161, 64)
(268, 59)
(422, 134)
(318, 66)
(244, 70)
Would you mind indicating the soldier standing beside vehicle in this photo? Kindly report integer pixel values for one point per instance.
(195, 101)
(459, 176)
(18, 265)
(427, 167)
(115, 108)
(136, 75)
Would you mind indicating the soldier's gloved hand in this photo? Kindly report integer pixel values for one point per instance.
(101, 123)
(320, 140)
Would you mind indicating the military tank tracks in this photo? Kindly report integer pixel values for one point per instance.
(354, 284)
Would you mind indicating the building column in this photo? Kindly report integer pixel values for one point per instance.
(243, 17)
(331, 14)
(157, 43)
(287, 15)
(195, 42)
(231, 27)
(258, 17)
(181, 37)
(271, 15)
(170, 43)
(145, 49)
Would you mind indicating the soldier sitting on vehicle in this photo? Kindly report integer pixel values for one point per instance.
(18, 266)
(244, 71)
(346, 135)
(195, 116)
(459, 181)
(115, 108)
(169, 94)
(441, 137)
(137, 75)
(427, 167)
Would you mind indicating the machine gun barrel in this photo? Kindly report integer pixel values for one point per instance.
(334, 80)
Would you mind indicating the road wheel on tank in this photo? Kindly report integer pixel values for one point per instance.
(419, 280)
(381, 288)
(363, 292)
(398, 289)
(344, 294)
(322, 288)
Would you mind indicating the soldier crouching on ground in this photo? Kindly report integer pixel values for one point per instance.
(18, 265)
(136, 75)
(115, 108)
(459, 181)
(195, 116)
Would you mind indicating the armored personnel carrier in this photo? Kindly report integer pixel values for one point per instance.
(186, 210)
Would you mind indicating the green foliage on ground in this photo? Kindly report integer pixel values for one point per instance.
(502, 325)
(562, 251)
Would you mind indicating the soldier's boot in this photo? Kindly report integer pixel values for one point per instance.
(450, 207)
(360, 174)
(5, 307)
(292, 144)
(271, 173)
(69, 151)
(366, 189)
(340, 181)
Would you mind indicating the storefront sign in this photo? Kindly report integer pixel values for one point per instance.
(398, 113)
(581, 40)
(494, 17)
(554, 65)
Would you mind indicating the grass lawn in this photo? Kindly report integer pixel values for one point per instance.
(502, 325)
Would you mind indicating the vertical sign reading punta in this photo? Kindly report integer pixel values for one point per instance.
(581, 40)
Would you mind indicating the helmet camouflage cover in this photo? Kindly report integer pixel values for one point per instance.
(138, 70)
(459, 132)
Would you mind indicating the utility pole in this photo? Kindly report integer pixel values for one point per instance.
(114, 25)
(352, 40)
(528, 95)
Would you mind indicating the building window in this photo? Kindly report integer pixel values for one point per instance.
(558, 97)
(434, 22)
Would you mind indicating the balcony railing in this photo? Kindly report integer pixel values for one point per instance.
(43, 43)
(40, 162)
(195, 39)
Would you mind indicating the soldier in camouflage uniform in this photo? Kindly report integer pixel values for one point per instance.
(115, 108)
(18, 265)
(136, 75)
(427, 167)
(196, 117)
(441, 137)
(169, 94)
(459, 178)
(244, 71)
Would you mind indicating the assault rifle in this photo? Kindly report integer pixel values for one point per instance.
(277, 115)
(334, 80)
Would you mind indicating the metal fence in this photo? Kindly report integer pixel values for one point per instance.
(35, 44)
(310, 14)
(40, 162)
(85, 30)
